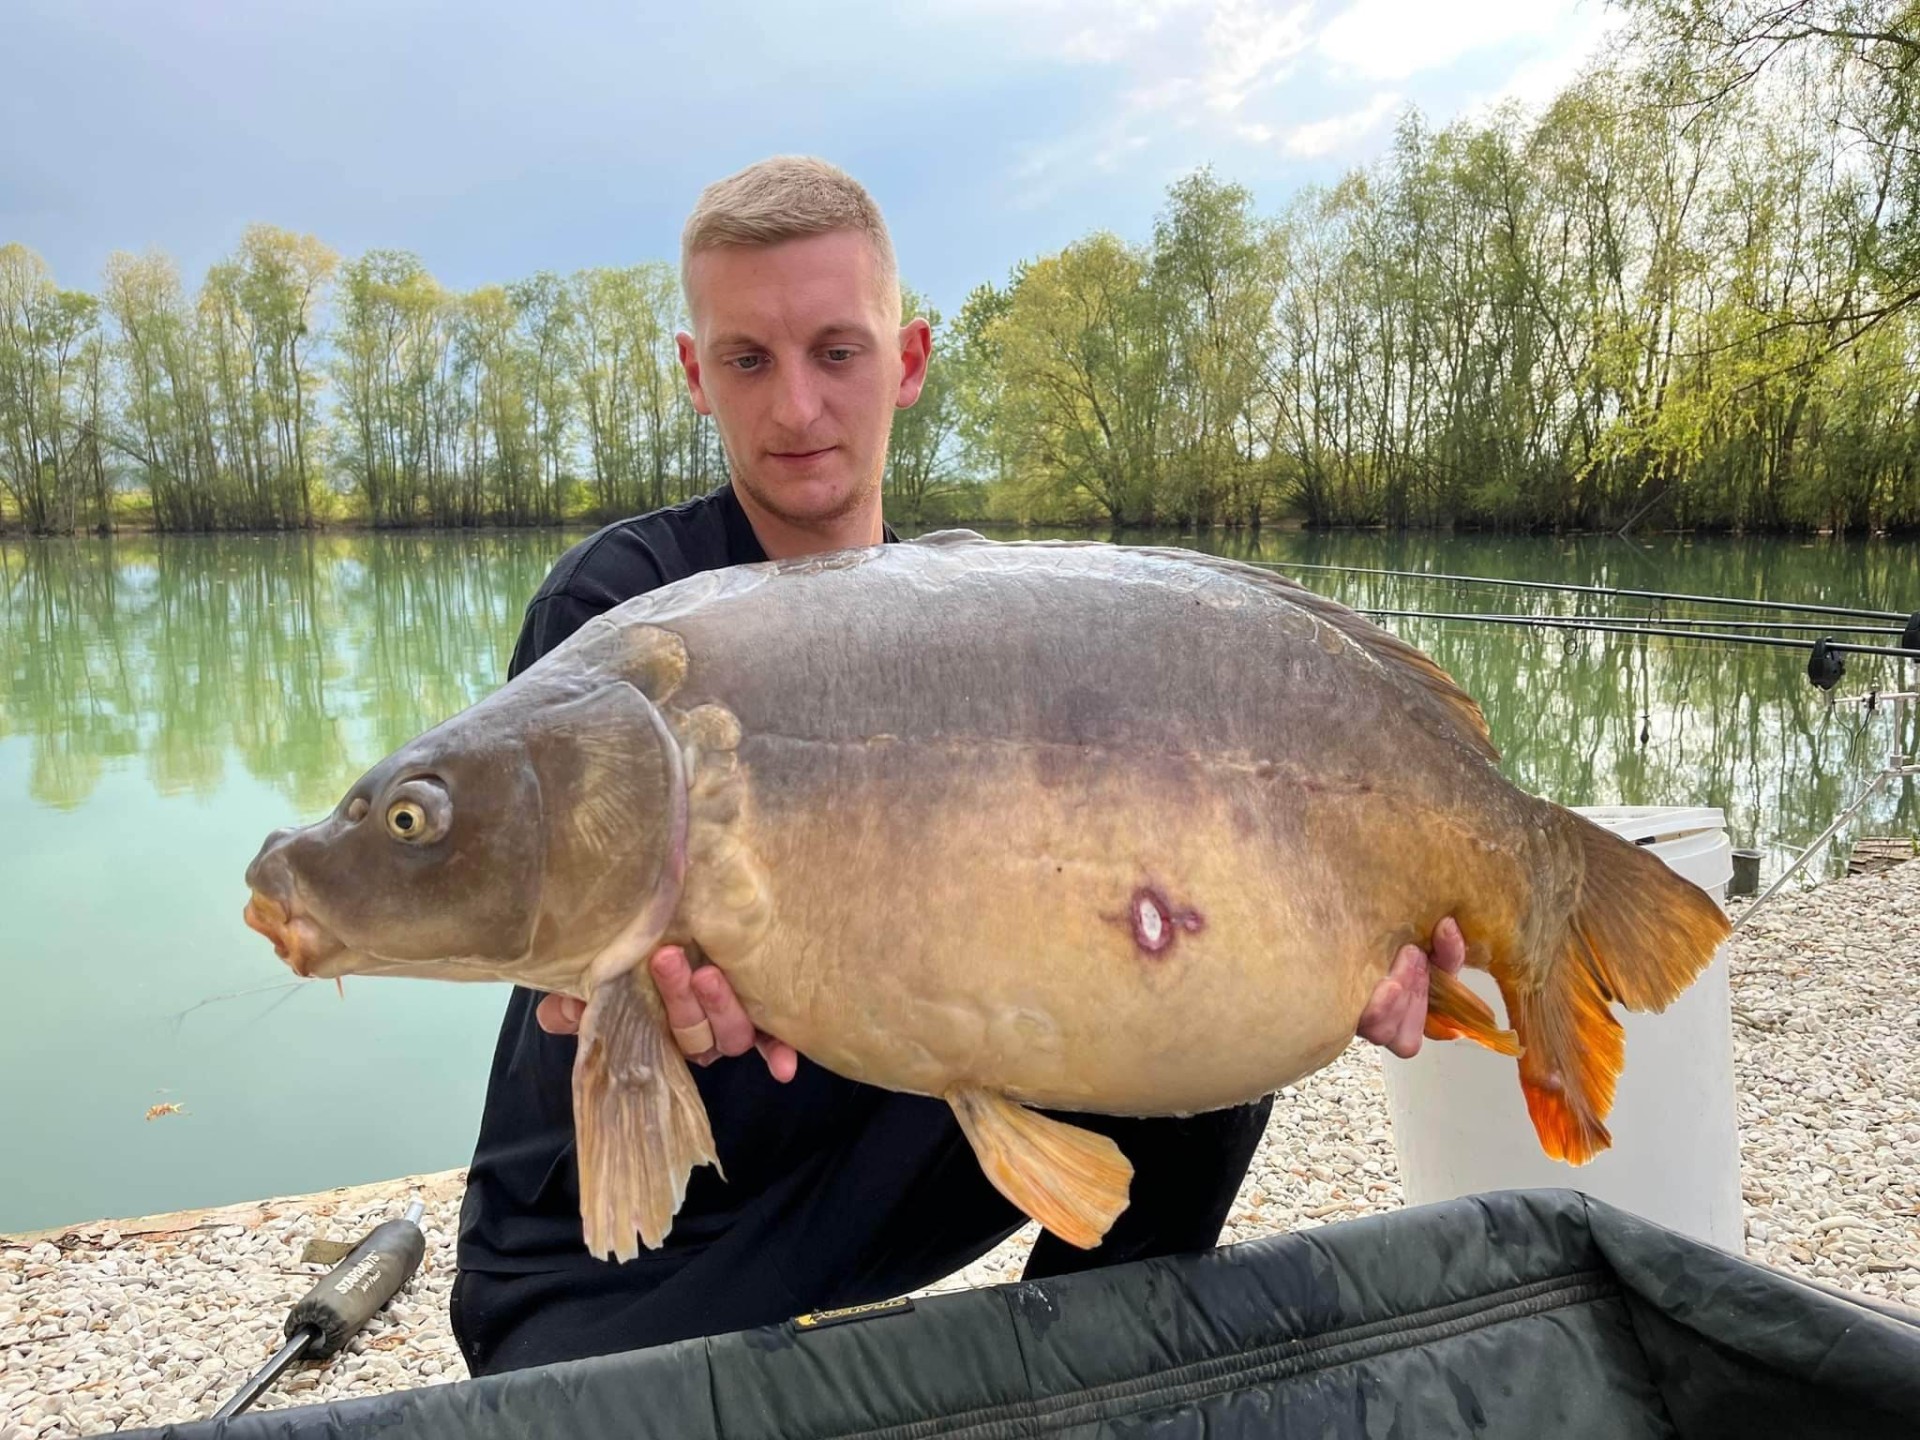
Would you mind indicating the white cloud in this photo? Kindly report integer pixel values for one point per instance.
(1394, 39)
(1105, 33)
(1179, 63)
(1249, 46)
(1199, 79)
(1324, 137)
(1554, 66)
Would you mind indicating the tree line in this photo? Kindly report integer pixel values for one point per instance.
(1681, 294)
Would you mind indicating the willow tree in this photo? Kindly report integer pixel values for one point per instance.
(50, 396)
(1085, 382)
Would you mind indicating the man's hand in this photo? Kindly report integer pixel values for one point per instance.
(1396, 1014)
(701, 1006)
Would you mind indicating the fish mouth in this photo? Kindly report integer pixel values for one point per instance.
(297, 938)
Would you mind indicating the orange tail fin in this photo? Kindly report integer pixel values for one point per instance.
(1639, 934)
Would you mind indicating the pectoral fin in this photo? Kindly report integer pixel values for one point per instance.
(1072, 1181)
(639, 1121)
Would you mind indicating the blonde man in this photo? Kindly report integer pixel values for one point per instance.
(835, 1192)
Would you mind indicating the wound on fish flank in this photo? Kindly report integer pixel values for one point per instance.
(1156, 922)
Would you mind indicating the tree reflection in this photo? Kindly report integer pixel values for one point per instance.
(302, 660)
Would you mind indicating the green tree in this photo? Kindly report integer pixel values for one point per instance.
(920, 460)
(49, 396)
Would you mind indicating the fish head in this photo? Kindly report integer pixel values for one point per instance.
(513, 842)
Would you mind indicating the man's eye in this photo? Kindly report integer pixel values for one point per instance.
(840, 353)
(746, 362)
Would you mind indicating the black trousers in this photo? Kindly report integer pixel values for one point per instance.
(899, 1204)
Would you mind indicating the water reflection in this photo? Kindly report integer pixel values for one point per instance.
(302, 660)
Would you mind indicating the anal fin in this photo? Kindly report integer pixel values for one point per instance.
(1455, 1013)
(640, 1124)
(1072, 1181)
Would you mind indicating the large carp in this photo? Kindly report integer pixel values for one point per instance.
(1036, 824)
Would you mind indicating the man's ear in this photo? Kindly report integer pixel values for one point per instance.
(916, 351)
(690, 362)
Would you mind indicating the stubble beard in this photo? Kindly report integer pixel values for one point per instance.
(768, 497)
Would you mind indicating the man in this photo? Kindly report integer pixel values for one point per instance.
(835, 1192)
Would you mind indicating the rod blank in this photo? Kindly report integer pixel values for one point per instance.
(1607, 591)
(1570, 622)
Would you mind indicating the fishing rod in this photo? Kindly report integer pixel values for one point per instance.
(1574, 622)
(1825, 666)
(1694, 622)
(1603, 591)
(332, 1312)
(1807, 626)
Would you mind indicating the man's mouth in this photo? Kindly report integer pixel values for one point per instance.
(297, 938)
(801, 457)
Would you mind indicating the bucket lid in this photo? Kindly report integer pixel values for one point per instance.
(1646, 822)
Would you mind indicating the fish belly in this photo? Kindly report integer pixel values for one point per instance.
(1091, 930)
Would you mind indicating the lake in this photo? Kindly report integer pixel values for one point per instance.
(165, 703)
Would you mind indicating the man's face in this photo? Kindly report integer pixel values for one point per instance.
(800, 358)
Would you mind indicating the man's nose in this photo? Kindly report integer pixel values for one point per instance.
(797, 399)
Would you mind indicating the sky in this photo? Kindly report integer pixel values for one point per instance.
(495, 139)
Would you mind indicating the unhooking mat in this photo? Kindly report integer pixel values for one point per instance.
(1513, 1316)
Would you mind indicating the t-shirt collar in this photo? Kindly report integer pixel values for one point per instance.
(743, 546)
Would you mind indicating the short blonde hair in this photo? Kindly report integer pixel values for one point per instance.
(785, 198)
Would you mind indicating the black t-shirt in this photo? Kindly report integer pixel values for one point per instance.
(835, 1192)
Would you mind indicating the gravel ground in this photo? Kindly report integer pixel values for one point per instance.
(129, 1323)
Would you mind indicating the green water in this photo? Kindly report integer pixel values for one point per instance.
(163, 704)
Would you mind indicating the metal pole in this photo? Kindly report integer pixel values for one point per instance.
(1807, 854)
(289, 1352)
(1898, 764)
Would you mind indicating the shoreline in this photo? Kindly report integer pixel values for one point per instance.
(1290, 525)
(248, 1213)
(150, 1319)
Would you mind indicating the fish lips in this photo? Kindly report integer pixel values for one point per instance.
(274, 909)
(297, 938)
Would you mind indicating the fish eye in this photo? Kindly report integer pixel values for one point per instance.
(419, 811)
(406, 820)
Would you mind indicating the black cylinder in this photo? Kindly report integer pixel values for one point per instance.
(1826, 665)
(358, 1286)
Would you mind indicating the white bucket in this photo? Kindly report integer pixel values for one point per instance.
(1461, 1127)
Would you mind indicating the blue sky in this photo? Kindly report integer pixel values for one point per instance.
(498, 139)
